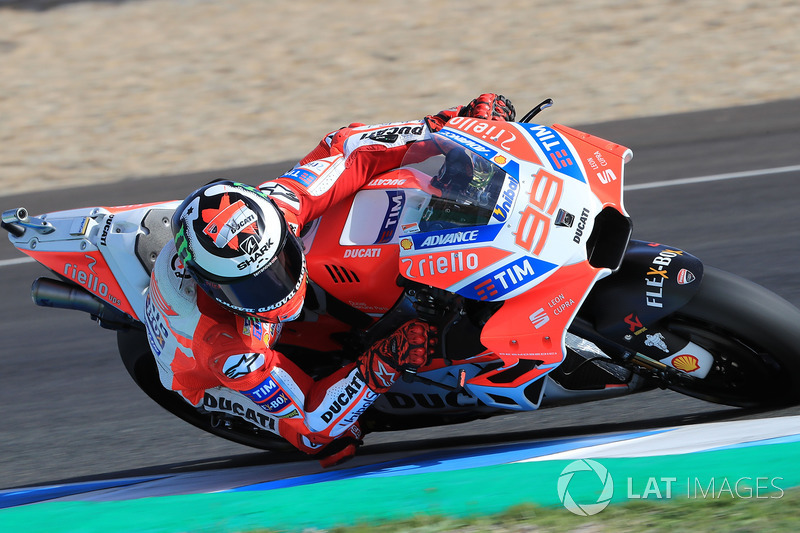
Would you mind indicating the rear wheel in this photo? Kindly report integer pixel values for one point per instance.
(754, 336)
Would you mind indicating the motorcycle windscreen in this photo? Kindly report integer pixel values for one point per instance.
(469, 184)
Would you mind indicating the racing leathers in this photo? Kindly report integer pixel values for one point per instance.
(226, 363)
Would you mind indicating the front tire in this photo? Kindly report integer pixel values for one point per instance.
(754, 336)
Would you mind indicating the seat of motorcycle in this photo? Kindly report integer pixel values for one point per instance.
(159, 233)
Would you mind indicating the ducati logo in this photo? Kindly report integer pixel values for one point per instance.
(177, 266)
(685, 277)
(228, 221)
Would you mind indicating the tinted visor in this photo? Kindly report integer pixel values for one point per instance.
(266, 290)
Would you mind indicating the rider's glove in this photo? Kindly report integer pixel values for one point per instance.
(488, 106)
(437, 121)
(405, 349)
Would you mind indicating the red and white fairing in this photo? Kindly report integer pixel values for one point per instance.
(530, 252)
(548, 275)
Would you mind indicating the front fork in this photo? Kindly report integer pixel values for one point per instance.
(664, 372)
(629, 312)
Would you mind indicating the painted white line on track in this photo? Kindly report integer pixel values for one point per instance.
(627, 188)
(713, 177)
(689, 439)
(17, 261)
(670, 441)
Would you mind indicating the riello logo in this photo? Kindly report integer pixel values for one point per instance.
(89, 279)
(443, 263)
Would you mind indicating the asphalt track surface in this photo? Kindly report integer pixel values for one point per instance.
(70, 412)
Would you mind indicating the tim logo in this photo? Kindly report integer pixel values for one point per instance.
(301, 175)
(556, 150)
(508, 278)
(486, 289)
(397, 200)
(560, 158)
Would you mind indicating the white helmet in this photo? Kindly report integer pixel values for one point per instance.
(235, 243)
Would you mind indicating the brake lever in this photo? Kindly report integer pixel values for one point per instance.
(410, 376)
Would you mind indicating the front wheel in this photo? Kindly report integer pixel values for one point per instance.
(754, 336)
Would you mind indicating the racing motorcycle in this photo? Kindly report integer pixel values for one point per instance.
(512, 238)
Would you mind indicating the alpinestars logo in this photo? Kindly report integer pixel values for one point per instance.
(237, 366)
(277, 191)
(385, 376)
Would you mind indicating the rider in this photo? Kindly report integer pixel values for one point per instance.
(239, 245)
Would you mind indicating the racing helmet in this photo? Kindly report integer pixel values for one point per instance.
(235, 243)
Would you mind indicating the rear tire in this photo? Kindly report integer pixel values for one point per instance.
(754, 336)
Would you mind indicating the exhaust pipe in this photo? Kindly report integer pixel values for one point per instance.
(47, 292)
(10, 221)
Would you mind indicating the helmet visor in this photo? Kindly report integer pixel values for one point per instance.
(267, 289)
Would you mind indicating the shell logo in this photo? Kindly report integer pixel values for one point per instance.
(500, 160)
(685, 362)
(406, 244)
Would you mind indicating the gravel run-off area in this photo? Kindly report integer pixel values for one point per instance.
(107, 90)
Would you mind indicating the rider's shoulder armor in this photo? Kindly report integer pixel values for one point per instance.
(174, 292)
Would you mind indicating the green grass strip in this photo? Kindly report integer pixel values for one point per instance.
(755, 473)
(676, 516)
